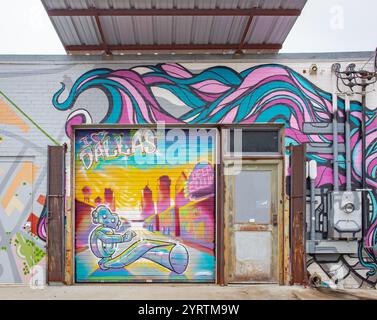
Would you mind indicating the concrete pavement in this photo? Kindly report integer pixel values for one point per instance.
(182, 292)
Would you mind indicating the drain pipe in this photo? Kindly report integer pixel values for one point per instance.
(335, 140)
(364, 202)
(347, 142)
(312, 176)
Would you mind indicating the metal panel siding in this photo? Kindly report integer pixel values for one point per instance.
(269, 29)
(170, 4)
(168, 202)
(183, 29)
(173, 30)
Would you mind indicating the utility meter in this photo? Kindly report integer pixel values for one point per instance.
(345, 218)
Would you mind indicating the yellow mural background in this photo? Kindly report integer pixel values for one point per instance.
(127, 183)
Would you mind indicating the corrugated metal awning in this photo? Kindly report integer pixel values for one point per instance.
(208, 26)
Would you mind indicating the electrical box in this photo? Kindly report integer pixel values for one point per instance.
(332, 246)
(345, 217)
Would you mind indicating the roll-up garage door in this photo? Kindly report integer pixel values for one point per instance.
(144, 204)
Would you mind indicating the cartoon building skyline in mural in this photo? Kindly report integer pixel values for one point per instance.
(138, 217)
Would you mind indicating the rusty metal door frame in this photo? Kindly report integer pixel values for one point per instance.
(297, 215)
(55, 214)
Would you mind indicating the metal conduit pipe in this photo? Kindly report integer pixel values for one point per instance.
(347, 142)
(335, 140)
(312, 176)
(363, 162)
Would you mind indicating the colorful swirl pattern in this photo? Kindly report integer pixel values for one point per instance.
(264, 93)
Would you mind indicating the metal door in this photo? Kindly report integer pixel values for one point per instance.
(145, 205)
(251, 214)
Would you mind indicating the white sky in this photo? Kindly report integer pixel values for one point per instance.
(334, 25)
(324, 26)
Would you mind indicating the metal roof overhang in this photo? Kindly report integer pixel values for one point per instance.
(186, 26)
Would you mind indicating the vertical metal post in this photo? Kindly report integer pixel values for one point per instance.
(220, 223)
(312, 209)
(363, 160)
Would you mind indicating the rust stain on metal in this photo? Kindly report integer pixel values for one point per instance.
(297, 222)
(55, 214)
(255, 227)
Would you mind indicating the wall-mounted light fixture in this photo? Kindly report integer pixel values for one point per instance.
(313, 69)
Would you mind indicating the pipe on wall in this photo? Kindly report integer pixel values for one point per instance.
(347, 142)
(312, 166)
(335, 140)
(365, 218)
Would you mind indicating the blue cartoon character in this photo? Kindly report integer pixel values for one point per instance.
(104, 243)
(103, 239)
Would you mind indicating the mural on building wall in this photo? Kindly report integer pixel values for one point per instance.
(264, 93)
(22, 201)
(175, 94)
(145, 205)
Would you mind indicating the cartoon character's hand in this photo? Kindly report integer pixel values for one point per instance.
(128, 235)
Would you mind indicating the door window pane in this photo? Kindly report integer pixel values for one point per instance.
(252, 199)
(255, 141)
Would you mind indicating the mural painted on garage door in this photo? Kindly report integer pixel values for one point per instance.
(144, 205)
